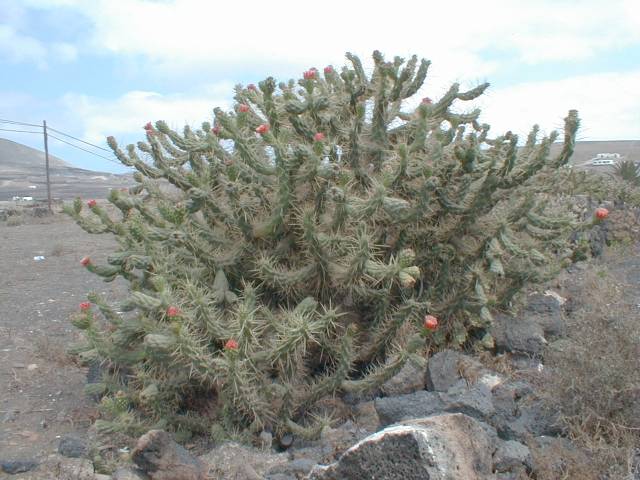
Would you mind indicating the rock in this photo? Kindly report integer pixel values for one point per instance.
(475, 401)
(409, 379)
(517, 334)
(446, 447)
(297, 468)
(246, 472)
(443, 370)
(280, 476)
(413, 405)
(64, 468)
(161, 458)
(518, 413)
(285, 441)
(129, 474)
(266, 440)
(224, 461)
(17, 466)
(546, 311)
(72, 447)
(449, 369)
(366, 416)
(512, 456)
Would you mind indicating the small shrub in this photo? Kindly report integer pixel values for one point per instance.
(15, 221)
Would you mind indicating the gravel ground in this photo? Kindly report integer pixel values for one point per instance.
(41, 394)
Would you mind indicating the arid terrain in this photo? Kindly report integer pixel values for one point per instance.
(22, 173)
(42, 395)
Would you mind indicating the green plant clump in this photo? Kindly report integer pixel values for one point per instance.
(291, 251)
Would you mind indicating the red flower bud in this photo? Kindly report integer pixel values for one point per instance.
(427, 101)
(602, 213)
(318, 137)
(231, 344)
(430, 322)
(262, 129)
(216, 130)
(85, 261)
(91, 203)
(148, 127)
(84, 306)
(244, 108)
(173, 311)
(251, 87)
(328, 70)
(310, 74)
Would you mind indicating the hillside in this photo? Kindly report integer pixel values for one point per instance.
(22, 173)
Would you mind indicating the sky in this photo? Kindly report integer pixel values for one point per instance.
(94, 68)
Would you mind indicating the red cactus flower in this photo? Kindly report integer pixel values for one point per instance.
(148, 126)
(244, 108)
(602, 213)
(251, 87)
(216, 130)
(427, 101)
(318, 137)
(91, 203)
(430, 322)
(328, 70)
(231, 344)
(262, 129)
(310, 74)
(84, 306)
(86, 261)
(173, 311)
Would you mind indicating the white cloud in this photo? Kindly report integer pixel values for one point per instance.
(100, 117)
(608, 105)
(17, 47)
(186, 33)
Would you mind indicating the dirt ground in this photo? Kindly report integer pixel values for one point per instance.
(41, 389)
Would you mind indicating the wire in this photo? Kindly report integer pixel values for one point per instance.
(19, 123)
(23, 131)
(84, 149)
(75, 138)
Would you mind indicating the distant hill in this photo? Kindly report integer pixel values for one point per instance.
(20, 157)
(585, 151)
(22, 173)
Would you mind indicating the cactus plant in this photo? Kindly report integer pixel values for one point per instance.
(292, 250)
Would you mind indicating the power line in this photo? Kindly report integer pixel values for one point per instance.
(84, 149)
(14, 122)
(19, 123)
(22, 131)
(79, 140)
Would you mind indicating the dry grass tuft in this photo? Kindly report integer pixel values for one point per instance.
(594, 378)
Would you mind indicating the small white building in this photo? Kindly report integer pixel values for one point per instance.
(605, 159)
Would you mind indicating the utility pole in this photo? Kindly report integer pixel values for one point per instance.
(46, 158)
